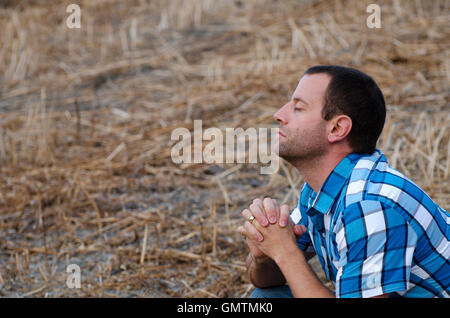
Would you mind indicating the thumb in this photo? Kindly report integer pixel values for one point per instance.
(299, 230)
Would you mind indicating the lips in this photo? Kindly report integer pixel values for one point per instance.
(281, 134)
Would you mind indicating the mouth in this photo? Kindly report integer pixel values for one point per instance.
(281, 134)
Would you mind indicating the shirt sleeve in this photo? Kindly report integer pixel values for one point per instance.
(304, 242)
(375, 245)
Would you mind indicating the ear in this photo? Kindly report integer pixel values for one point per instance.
(339, 127)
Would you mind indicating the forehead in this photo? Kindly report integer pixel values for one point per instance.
(312, 87)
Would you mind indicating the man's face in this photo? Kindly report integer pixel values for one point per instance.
(303, 133)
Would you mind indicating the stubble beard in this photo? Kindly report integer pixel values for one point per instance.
(303, 146)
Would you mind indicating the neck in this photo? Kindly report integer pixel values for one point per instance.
(315, 171)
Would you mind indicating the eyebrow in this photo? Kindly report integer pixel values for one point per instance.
(300, 100)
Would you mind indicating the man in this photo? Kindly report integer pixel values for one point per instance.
(375, 232)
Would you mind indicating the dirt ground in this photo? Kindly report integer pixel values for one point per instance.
(86, 115)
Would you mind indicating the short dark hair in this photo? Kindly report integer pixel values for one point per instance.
(357, 95)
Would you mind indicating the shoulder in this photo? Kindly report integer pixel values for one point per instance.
(373, 179)
(387, 188)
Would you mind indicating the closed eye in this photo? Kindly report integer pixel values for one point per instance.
(298, 106)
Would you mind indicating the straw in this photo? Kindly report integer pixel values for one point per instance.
(86, 174)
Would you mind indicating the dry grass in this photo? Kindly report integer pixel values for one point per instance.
(86, 116)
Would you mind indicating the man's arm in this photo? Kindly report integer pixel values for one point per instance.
(299, 275)
(264, 272)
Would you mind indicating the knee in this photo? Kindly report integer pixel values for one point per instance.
(259, 293)
(272, 292)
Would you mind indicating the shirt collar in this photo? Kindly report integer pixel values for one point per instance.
(333, 185)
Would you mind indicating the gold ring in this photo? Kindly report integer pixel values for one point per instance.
(251, 219)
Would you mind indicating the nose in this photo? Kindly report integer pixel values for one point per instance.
(280, 115)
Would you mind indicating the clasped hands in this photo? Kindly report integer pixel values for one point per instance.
(269, 228)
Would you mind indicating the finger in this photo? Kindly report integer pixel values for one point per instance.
(271, 210)
(252, 232)
(257, 211)
(241, 230)
(246, 214)
(255, 224)
(277, 208)
(299, 230)
(284, 215)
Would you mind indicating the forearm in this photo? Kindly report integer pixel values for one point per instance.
(300, 277)
(264, 272)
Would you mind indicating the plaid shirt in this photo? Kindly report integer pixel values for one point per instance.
(375, 231)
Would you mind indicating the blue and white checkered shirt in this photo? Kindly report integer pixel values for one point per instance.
(375, 231)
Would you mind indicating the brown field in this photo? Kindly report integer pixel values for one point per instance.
(86, 115)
